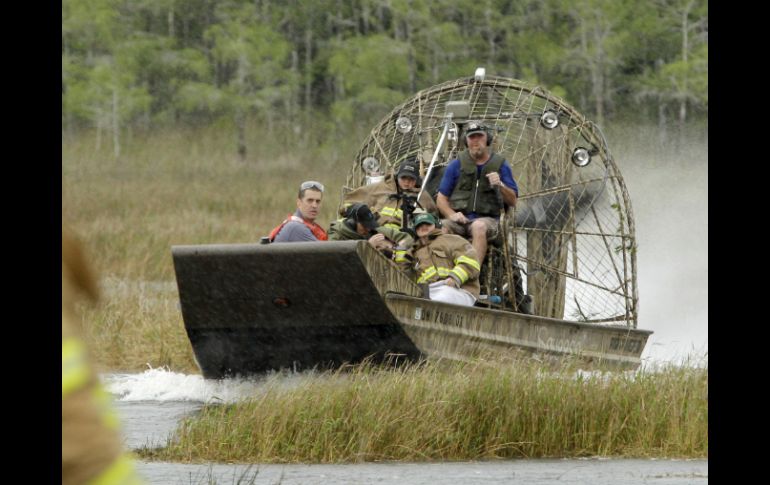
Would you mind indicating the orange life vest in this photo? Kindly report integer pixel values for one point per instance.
(317, 230)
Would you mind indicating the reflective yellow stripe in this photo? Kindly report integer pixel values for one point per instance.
(392, 212)
(399, 255)
(393, 225)
(469, 261)
(120, 472)
(443, 272)
(429, 273)
(461, 273)
(103, 401)
(74, 367)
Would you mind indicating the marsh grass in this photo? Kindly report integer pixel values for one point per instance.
(137, 325)
(454, 412)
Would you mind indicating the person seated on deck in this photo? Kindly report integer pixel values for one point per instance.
(446, 262)
(361, 223)
(301, 225)
(387, 198)
(475, 187)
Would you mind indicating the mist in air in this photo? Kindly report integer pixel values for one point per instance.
(668, 185)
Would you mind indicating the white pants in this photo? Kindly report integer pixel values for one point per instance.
(439, 291)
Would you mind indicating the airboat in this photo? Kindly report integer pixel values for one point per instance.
(559, 284)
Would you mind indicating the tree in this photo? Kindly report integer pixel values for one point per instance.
(97, 83)
(371, 75)
(249, 60)
(682, 77)
(598, 39)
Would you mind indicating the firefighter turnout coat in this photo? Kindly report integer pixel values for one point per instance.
(447, 255)
(91, 445)
(380, 198)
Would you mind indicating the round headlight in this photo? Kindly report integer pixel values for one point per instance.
(370, 165)
(581, 157)
(403, 125)
(549, 119)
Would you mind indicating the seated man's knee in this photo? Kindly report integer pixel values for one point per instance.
(478, 229)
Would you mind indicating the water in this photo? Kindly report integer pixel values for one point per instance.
(669, 196)
(534, 472)
(151, 404)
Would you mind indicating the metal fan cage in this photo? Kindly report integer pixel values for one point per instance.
(572, 230)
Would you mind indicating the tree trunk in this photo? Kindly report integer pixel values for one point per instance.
(662, 131)
(308, 70)
(597, 73)
(98, 132)
(115, 123)
(490, 35)
(295, 90)
(171, 22)
(685, 52)
(240, 126)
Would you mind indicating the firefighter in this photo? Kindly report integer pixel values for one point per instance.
(91, 446)
(389, 197)
(446, 262)
(361, 223)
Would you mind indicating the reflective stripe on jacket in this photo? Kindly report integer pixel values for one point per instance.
(380, 198)
(447, 255)
(92, 448)
(340, 231)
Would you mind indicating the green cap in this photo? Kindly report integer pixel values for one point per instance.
(423, 218)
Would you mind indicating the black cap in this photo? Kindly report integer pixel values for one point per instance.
(363, 215)
(475, 127)
(409, 168)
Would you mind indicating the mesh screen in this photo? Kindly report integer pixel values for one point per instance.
(572, 231)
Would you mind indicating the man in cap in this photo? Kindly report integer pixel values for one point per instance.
(301, 226)
(360, 222)
(387, 198)
(446, 262)
(474, 188)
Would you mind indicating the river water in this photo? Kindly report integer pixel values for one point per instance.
(151, 404)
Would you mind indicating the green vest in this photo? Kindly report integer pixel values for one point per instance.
(474, 194)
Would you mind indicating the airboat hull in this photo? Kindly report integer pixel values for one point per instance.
(252, 308)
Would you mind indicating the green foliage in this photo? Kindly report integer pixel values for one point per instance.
(371, 74)
(151, 63)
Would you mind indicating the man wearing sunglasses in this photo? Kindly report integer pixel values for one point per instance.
(301, 225)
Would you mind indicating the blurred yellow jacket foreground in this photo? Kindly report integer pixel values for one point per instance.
(91, 448)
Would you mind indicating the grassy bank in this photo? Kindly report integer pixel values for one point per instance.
(454, 412)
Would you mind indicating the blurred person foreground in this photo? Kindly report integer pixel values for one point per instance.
(91, 443)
